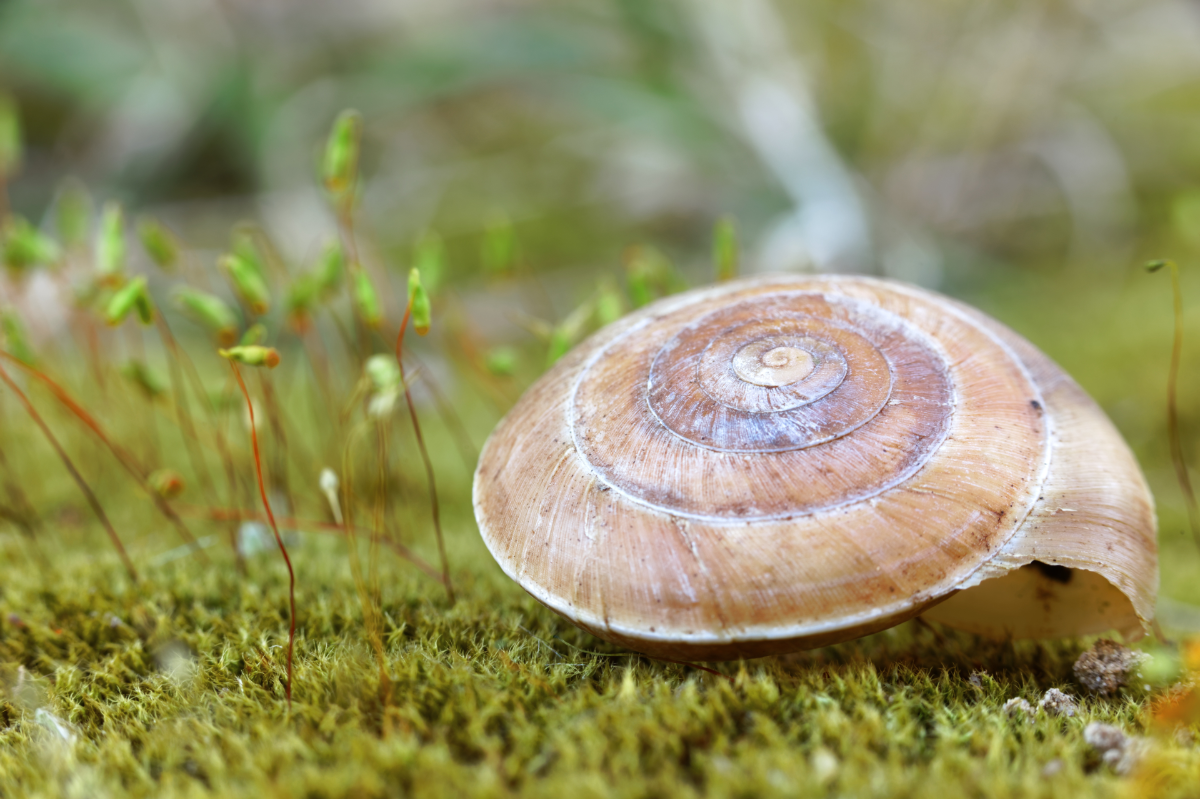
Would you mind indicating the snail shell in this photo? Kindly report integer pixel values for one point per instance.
(784, 463)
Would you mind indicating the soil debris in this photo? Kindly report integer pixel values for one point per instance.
(1056, 703)
(1018, 707)
(1106, 667)
(1116, 749)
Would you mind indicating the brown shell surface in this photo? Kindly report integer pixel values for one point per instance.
(782, 463)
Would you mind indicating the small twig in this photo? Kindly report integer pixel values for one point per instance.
(539, 640)
(83, 486)
(262, 490)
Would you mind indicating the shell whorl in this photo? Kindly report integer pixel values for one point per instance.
(787, 462)
(874, 408)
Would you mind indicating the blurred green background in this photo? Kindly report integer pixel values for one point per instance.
(1023, 156)
(929, 141)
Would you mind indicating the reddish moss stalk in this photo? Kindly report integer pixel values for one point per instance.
(183, 410)
(433, 499)
(367, 589)
(262, 490)
(237, 514)
(279, 472)
(124, 458)
(154, 438)
(1176, 444)
(375, 590)
(23, 513)
(93, 348)
(450, 419)
(345, 220)
(318, 359)
(83, 486)
(222, 449)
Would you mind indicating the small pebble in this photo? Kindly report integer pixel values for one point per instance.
(1018, 707)
(1115, 747)
(1106, 667)
(1052, 768)
(1056, 703)
(1104, 737)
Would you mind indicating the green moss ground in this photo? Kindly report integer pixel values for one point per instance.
(597, 127)
(175, 688)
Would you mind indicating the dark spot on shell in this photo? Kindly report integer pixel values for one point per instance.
(1037, 406)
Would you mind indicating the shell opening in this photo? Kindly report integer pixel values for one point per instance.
(1041, 600)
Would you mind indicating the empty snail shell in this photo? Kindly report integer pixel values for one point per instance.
(784, 463)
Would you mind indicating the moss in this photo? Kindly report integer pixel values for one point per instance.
(176, 687)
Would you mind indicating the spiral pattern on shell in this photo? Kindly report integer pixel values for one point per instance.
(759, 466)
(870, 389)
